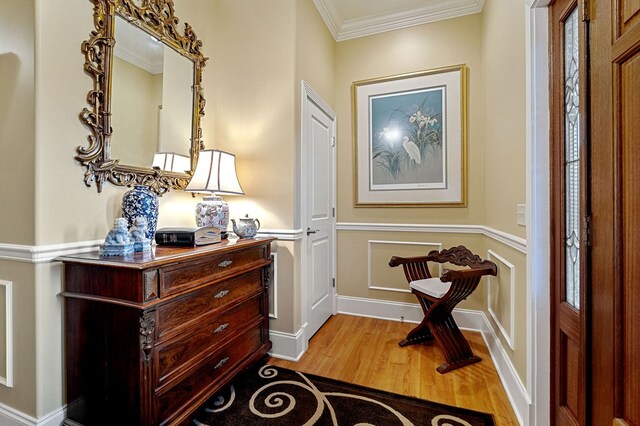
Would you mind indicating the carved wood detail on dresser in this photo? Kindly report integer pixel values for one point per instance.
(149, 338)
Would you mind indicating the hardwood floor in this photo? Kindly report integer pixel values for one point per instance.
(365, 351)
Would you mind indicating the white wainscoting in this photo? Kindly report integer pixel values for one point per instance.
(370, 283)
(509, 337)
(505, 238)
(7, 380)
(273, 288)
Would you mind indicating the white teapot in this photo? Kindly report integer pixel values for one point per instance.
(247, 228)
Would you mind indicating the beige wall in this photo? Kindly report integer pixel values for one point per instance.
(263, 51)
(503, 110)
(254, 105)
(17, 129)
(438, 44)
(504, 103)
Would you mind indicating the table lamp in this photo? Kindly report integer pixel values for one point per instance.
(171, 162)
(215, 174)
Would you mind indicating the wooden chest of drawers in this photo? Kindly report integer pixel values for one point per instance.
(151, 337)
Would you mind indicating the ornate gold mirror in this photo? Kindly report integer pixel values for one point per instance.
(146, 97)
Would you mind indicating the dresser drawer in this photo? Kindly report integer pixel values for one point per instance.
(177, 355)
(181, 277)
(173, 401)
(181, 313)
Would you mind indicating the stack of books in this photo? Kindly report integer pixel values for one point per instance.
(190, 237)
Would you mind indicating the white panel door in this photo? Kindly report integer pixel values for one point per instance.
(319, 129)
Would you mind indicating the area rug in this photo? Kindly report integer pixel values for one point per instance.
(276, 396)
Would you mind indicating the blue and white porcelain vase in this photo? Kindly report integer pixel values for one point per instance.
(141, 201)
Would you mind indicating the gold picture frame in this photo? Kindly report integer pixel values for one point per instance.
(410, 139)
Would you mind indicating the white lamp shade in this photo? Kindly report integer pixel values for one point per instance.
(171, 162)
(215, 172)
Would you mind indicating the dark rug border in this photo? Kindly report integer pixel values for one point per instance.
(453, 408)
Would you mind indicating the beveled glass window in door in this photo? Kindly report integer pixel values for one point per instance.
(572, 160)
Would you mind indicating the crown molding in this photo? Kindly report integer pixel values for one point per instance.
(369, 25)
(329, 16)
(152, 67)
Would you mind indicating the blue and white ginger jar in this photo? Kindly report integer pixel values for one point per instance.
(141, 201)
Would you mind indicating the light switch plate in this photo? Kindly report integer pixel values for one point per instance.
(521, 214)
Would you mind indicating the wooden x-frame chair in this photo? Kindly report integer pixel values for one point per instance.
(438, 297)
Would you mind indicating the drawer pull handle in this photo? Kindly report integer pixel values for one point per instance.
(221, 328)
(222, 362)
(225, 263)
(222, 294)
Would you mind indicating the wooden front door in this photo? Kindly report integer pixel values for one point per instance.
(596, 335)
(615, 139)
(570, 211)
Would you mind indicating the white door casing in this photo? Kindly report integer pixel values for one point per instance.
(318, 210)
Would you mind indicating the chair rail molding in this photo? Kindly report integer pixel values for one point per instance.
(45, 253)
(505, 238)
(48, 252)
(282, 234)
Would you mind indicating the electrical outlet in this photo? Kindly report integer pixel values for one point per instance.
(521, 214)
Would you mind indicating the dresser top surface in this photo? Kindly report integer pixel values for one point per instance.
(161, 254)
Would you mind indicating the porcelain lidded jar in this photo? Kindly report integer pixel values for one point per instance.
(141, 201)
(213, 211)
(247, 228)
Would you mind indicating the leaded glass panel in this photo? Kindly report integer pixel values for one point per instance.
(572, 160)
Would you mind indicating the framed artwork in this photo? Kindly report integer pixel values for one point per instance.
(410, 139)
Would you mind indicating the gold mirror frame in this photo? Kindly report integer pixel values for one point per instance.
(157, 18)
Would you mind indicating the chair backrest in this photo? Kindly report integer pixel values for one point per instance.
(462, 256)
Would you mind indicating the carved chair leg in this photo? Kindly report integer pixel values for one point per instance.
(421, 333)
(455, 347)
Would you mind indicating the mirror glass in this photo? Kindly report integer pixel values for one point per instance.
(151, 97)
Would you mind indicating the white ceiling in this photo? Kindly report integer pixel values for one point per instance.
(348, 19)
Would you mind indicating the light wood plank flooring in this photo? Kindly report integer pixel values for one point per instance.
(365, 351)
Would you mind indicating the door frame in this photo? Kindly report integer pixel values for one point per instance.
(538, 214)
(310, 95)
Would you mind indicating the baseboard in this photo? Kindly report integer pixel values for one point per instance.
(11, 417)
(380, 309)
(467, 320)
(513, 386)
(288, 346)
